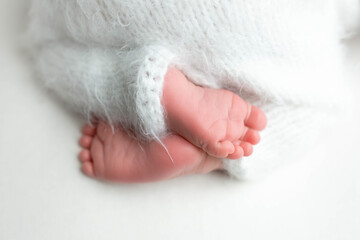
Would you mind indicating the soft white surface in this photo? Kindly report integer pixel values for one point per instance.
(43, 195)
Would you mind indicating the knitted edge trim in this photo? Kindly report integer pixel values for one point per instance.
(150, 83)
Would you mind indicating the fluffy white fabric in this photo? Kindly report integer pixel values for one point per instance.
(109, 58)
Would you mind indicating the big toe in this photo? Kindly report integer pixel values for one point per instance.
(256, 119)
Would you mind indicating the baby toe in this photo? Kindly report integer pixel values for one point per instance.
(256, 119)
(239, 153)
(85, 156)
(247, 147)
(251, 136)
(220, 149)
(88, 169)
(85, 141)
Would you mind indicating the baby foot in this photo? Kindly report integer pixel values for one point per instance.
(111, 154)
(216, 120)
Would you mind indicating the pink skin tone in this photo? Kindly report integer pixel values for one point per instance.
(207, 125)
(115, 156)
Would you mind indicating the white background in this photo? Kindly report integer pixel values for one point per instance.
(43, 194)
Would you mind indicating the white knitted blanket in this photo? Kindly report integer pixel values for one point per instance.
(109, 58)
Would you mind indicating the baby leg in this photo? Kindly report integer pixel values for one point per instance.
(115, 156)
(216, 120)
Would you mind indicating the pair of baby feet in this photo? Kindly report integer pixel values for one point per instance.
(207, 125)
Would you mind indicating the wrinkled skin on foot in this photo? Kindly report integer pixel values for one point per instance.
(216, 120)
(113, 155)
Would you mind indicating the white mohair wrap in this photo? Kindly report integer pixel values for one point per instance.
(108, 58)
